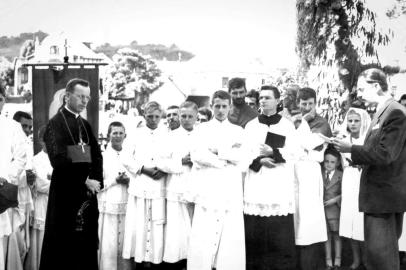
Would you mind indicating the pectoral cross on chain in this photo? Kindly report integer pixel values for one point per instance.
(81, 143)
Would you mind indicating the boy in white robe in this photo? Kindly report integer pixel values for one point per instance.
(178, 216)
(217, 236)
(19, 241)
(13, 158)
(43, 170)
(112, 200)
(145, 215)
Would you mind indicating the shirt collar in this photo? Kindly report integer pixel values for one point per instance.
(330, 174)
(224, 122)
(382, 103)
(69, 110)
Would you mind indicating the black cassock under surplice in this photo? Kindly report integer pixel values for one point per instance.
(71, 242)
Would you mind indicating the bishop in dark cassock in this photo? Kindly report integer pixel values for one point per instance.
(71, 229)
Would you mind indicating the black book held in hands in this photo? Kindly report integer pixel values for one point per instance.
(275, 141)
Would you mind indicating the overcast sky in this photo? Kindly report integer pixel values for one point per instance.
(250, 28)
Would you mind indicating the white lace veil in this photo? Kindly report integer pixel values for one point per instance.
(365, 122)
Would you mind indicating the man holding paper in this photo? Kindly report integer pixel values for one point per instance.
(71, 236)
(383, 180)
(310, 221)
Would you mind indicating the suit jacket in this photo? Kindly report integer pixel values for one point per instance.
(332, 189)
(383, 156)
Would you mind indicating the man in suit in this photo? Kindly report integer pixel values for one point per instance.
(383, 181)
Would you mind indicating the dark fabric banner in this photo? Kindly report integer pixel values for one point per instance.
(48, 86)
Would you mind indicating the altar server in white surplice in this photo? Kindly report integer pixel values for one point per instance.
(178, 215)
(113, 200)
(217, 237)
(145, 215)
(13, 158)
(269, 201)
(310, 221)
(43, 170)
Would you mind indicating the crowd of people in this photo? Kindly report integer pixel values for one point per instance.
(257, 181)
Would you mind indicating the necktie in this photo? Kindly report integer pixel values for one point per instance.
(328, 177)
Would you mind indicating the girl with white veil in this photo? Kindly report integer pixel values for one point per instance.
(354, 129)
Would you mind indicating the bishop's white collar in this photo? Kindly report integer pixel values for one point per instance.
(69, 110)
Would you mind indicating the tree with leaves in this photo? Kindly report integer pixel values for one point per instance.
(336, 40)
(132, 76)
(398, 9)
(6, 73)
(338, 33)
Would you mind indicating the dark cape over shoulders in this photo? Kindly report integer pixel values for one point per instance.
(241, 115)
(320, 125)
(64, 247)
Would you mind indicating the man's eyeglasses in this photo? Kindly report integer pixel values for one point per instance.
(83, 97)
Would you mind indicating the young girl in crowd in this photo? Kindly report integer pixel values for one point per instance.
(332, 175)
(355, 127)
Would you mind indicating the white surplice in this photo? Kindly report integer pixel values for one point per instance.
(310, 221)
(112, 201)
(217, 236)
(402, 239)
(351, 219)
(270, 191)
(43, 171)
(13, 158)
(178, 220)
(145, 215)
(25, 201)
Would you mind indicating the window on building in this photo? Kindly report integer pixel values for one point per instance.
(23, 75)
(54, 50)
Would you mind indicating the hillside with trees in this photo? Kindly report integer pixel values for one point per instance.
(156, 51)
(10, 47)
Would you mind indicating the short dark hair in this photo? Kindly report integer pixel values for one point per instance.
(402, 97)
(20, 114)
(306, 93)
(236, 83)
(221, 94)
(114, 124)
(373, 75)
(70, 86)
(290, 100)
(207, 112)
(253, 94)
(330, 150)
(274, 89)
(189, 104)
